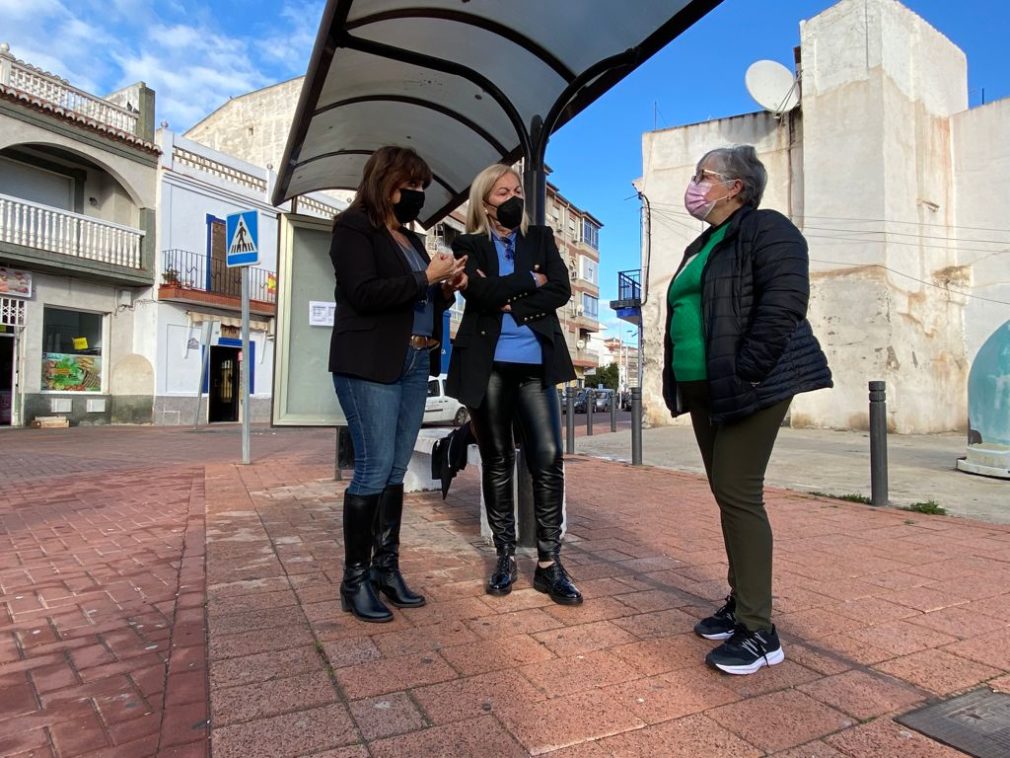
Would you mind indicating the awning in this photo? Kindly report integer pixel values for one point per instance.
(197, 317)
(462, 81)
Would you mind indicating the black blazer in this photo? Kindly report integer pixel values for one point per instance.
(375, 293)
(532, 306)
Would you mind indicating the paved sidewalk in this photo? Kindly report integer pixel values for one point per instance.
(880, 610)
(921, 467)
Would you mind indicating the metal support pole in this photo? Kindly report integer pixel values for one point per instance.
(636, 426)
(570, 419)
(613, 411)
(244, 371)
(590, 402)
(337, 473)
(526, 523)
(205, 332)
(878, 443)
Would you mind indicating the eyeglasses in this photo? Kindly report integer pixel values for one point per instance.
(700, 176)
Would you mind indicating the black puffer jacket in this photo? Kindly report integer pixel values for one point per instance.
(759, 347)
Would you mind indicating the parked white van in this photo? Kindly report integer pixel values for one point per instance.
(439, 408)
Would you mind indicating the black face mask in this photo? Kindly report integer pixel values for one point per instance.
(411, 202)
(510, 213)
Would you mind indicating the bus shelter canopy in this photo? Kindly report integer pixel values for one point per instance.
(464, 82)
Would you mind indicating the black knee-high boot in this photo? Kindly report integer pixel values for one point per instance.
(356, 592)
(385, 573)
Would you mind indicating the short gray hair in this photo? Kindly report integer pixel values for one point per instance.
(740, 162)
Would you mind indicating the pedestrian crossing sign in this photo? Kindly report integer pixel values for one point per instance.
(242, 234)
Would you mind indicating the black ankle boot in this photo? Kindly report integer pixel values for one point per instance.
(356, 592)
(385, 573)
(504, 574)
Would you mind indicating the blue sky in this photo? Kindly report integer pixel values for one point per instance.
(198, 54)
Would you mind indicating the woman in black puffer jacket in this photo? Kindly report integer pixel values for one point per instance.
(737, 348)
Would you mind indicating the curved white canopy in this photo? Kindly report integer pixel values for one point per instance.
(461, 81)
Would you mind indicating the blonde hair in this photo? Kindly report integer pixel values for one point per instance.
(476, 216)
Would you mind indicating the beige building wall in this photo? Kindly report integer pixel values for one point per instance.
(892, 180)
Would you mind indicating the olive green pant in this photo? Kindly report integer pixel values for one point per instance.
(736, 457)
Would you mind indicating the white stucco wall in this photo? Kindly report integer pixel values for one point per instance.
(879, 86)
(981, 150)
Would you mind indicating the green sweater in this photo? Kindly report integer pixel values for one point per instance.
(687, 332)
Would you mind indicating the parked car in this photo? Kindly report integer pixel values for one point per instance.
(439, 408)
(563, 399)
(602, 400)
(580, 401)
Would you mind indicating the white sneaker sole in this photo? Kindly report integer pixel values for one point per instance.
(771, 659)
(716, 636)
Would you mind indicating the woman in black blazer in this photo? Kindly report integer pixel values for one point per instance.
(507, 357)
(387, 326)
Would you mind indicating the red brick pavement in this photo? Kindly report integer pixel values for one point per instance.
(879, 611)
(103, 644)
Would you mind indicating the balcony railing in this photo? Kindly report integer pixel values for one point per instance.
(187, 270)
(629, 285)
(50, 88)
(58, 231)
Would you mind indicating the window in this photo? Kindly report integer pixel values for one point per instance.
(433, 388)
(71, 351)
(590, 306)
(590, 234)
(36, 185)
(589, 268)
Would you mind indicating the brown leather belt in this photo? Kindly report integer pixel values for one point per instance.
(421, 342)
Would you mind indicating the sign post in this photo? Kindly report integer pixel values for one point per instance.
(242, 233)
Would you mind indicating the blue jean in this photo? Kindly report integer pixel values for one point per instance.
(373, 410)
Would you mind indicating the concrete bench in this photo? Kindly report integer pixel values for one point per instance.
(418, 476)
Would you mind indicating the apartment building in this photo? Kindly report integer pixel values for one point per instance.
(78, 188)
(192, 331)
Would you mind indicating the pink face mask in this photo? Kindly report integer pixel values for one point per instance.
(696, 202)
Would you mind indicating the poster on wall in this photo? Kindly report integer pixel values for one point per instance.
(66, 372)
(15, 283)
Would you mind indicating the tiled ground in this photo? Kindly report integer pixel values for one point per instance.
(108, 553)
(880, 611)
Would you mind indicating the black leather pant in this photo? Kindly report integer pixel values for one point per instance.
(516, 395)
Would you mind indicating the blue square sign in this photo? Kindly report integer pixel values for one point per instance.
(242, 234)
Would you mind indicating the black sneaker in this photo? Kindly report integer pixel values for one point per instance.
(720, 625)
(746, 651)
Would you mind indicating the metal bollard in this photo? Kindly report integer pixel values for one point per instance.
(590, 404)
(613, 411)
(337, 473)
(878, 443)
(570, 419)
(636, 426)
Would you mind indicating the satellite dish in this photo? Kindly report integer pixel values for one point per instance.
(772, 86)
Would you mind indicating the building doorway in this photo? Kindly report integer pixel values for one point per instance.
(223, 395)
(8, 351)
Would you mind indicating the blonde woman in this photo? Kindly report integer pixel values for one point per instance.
(507, 357)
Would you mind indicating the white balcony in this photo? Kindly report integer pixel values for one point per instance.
(58, 231)
(51, 89)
